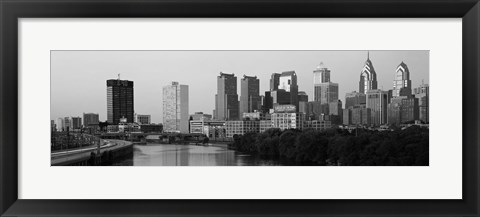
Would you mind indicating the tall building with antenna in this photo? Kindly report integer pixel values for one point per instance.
(368, 77)
(119, 100)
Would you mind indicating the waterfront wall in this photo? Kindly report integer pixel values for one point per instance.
(108, 156)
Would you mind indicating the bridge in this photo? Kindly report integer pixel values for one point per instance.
(155, 137)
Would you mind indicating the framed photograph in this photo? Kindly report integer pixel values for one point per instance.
(251, 108)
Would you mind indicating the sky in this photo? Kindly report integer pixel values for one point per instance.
(78, 78)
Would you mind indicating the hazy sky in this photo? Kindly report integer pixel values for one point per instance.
(78, 78)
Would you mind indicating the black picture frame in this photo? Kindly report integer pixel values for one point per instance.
(12, 10)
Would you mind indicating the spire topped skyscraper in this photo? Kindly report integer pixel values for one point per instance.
(402, 85)
(368, 77)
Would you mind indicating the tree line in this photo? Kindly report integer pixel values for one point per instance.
(360, 147)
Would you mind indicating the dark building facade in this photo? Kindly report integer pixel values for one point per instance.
(250, 94)
(347, 117)
(151, 128)
(302, 96)
(402, 110)
(226, 99)
(355, 99)
(267, 102)
(336, 112)
(422, 93)
(119, 100)
(313, 110)
(357, 115)
(76, 123)
(377, 101)
(280, 97)
(288, 82)
(90, 119)
(274, 81)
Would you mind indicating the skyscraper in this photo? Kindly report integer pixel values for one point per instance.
(357, 115)
(53, 126)
(119, 100)
(404, 107)
(377, 101)
(422, 93)
(368, 77)
(321, 74)
(402, 85)
(302, 96)
(60, 124)
(76, 123)
(288, 82)
(402, 110)
(250, 94)
(324, 90)
(226, 99)
(90, 119)
(274, 81)
(335, 112)
(67, 124)
(267, 101)
(280, 97)
(175, 108)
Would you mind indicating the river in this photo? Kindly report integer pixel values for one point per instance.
(191, 155)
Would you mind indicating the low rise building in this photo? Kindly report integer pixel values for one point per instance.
(210, 128)
(200, 116)
(241, 127)
(128, 128)
(285, 117)
(151, 128)
(112, 129)
(265, 125)
(254, 115)
(285, 121)
(142, 119)
(317, 125)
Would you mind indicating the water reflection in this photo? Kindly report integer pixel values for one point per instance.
(191, 155)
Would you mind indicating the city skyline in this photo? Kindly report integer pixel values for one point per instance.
(62, 106)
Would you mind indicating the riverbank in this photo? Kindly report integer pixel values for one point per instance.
(409, 147)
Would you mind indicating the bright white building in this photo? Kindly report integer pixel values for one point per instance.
(175, 108)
